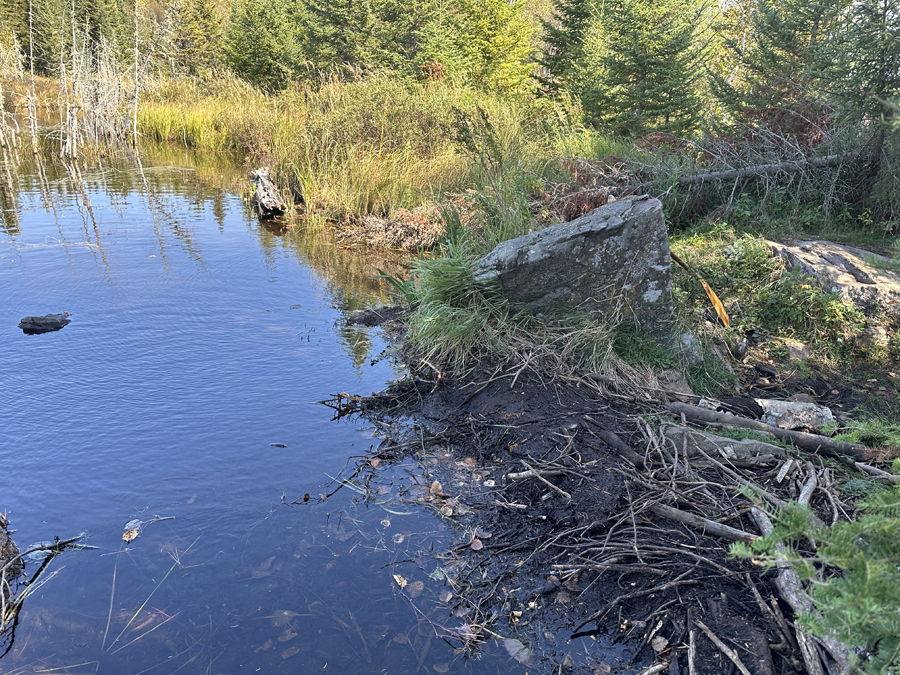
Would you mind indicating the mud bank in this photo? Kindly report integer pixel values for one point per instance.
(559, 490)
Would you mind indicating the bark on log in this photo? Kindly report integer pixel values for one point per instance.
(266, 199)
(809, 442)
(763, 169)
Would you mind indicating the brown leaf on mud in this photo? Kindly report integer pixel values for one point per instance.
(476, 544)
(470, 462)
(415, 589)
(288, 634)
(289, 652)
(446, 511)
(401, 639)
(659, 644)
(264, 647)
(482, 534)
(438, 490)
(563, 598)
(281, 617)
(445, 596)
(129, 535)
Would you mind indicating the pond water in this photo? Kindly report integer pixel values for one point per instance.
(180, 396)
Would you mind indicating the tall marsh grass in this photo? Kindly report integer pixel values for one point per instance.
(369, 145)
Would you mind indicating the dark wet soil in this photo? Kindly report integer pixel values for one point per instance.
(563, 562)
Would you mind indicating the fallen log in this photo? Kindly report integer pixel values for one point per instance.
(763, 169)
(266, 199)
(704, 525)
(809, 442)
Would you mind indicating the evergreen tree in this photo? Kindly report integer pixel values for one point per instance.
(777, 83)
(197, 39)
(340, 33)
(647, 78)
(262, 43)
(564, 38)
(496, 38)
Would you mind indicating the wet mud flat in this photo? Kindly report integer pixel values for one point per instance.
(559, 491)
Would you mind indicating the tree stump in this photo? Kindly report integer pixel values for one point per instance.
(266, 200)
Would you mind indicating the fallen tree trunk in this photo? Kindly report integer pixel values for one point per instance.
(763, 169)
(810, 442)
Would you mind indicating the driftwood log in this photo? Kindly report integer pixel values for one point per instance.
(809, 442)
(266, 200)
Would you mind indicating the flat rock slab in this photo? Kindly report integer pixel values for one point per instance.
(34, 325)
(866, 279)
(613, 261)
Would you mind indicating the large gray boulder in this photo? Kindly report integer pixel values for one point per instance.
(613, 261)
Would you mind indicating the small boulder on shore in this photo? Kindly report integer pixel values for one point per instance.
(35, 325)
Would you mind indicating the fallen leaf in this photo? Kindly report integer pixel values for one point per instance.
(489, 483)
(476, 544)
(441, 667)
(191, 500)
(445, 596)
(386, 523)
(129, 535)
(289, 652)
(563, 598)
(401, 582)
(481, 534)
(375, 462)
(518, 651)
(446, 511)
(401, 639)
(134, 524)
(265, 647)
(288, 634)
(415, 589)
(470, 461)
(515, 616)
(659, 644)
(264, 569)
(398, 538)
(437, 489)
(281, 617)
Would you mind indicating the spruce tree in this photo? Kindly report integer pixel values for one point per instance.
(564, 37)
(340, 33)
(648, 74)
(262, 43)
(197, 39)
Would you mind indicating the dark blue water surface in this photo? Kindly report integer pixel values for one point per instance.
(198, 340)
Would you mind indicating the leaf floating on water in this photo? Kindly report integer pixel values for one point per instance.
(401, 582)
(264, 647)
(134, 524)
(518, 651)
(129, 535)
(415, 589)
(476, 544)
(445, 596)
(289, 652)
(288, 634)
(441, 667)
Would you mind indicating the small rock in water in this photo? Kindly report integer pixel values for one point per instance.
(34, 325)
